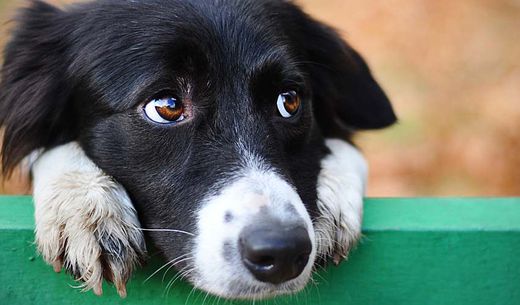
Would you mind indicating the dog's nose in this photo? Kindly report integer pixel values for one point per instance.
(274, 253)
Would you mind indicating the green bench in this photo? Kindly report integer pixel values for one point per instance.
(414, 251)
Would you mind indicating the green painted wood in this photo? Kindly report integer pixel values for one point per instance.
(415, 251)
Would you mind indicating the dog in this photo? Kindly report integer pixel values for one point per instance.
(222, 130)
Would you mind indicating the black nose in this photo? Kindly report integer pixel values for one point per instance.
(274, 253)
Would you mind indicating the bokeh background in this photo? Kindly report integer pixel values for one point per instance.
(452, 70)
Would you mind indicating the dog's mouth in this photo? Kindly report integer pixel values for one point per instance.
(239, 291)
(238, 287)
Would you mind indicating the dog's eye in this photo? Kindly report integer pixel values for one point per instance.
(165, 110)
(288, 104)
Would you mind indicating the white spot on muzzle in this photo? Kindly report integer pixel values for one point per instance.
(223, 217)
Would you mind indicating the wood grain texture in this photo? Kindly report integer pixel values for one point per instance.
(415, 251)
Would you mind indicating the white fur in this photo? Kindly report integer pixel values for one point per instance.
(341, 188)
(255, 192)
(81, 213)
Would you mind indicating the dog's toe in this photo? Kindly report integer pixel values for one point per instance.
(94, 255)
(346, 239)
(86, 224)
(119, 256)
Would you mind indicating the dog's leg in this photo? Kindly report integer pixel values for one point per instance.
(341, 188)
(85, 221)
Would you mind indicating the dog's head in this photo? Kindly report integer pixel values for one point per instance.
(212, 114)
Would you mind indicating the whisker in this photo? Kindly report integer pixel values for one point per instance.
(205, 298)
(156, 271)
(176, 263)
(182, 273)
(167, 230)
(189, 295)
(186, 269)
(321, 278)
(173, 262)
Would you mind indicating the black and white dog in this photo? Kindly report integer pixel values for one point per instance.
(226, 124)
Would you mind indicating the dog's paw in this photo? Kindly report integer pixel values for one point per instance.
(348, 227)
(341, 187)
(85, 221)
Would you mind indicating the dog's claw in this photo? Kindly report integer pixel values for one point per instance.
(121, 290)
(86, 225)
(337, 259)
(98, 289)
(97, 254)
(57, 265)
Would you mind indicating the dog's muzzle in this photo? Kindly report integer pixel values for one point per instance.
(255, 239)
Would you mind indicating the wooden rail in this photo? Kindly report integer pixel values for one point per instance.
(415, 251)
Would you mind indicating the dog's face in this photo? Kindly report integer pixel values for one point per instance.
(212, 114)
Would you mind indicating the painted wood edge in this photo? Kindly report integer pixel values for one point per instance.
(380, 214)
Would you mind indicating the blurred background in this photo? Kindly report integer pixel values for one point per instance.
(452, 70)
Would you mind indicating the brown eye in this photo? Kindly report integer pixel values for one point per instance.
(165, 110)
(288, 104)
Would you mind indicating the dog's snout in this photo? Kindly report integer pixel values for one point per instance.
(275, 253)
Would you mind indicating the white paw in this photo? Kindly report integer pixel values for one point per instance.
(341, 187)
(85, 221)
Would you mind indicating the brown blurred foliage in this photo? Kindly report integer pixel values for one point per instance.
(452, 70)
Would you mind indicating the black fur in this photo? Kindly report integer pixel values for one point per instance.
(84, 73)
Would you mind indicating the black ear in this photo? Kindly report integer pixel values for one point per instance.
(34, 91)
(346, 96)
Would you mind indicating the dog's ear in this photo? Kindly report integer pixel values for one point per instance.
(346, 96)
(34, 91)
